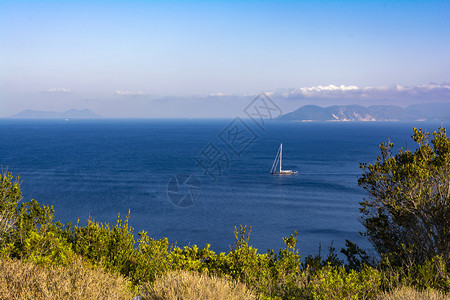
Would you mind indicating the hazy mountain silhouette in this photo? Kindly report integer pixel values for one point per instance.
(72, 113)
(422, 112)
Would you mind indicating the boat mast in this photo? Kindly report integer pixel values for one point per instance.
(275, 162)
(281, 154)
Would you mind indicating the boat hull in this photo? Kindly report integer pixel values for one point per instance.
(284, 173)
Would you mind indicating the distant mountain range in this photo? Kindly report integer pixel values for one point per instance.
(418, 112)
(72, 113)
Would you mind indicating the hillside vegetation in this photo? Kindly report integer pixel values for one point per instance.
(406, 217)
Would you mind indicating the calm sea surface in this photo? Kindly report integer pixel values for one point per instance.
(100, 168)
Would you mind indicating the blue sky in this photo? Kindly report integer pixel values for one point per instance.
(206, 58)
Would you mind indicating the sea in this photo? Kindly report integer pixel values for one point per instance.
(192, 181)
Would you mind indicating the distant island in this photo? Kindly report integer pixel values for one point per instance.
(72, 114)
(417, 112)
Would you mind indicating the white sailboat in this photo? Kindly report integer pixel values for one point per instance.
(276, 167)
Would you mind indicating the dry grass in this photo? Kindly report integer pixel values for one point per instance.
(191, 285)
(408, 293)
(19, 280)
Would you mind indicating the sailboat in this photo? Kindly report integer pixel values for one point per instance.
(276, 167)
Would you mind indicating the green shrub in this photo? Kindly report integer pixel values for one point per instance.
(268, 274)
(336, 283)
(10, 196)
(356, 256)
(407, 212)
(48, 248)
(112, 248)
(151, 259)
(190, 258)
(242, 263)
(432, 274)
(36, 237)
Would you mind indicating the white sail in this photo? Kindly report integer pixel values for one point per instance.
(276, 167)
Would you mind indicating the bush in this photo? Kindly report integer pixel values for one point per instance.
(112, 248)
(336, 283)
(10, 196)
(268, 274)
(36, 237)
(432, 274)
(356, 257)
(407, 213)
(151, 259)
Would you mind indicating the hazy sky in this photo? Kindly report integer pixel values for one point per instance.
(200, 58)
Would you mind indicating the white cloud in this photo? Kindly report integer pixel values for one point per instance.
(321, 90)
(129, 93)
(352, 91)
(218, 94)
(58, 90)
(329, 88)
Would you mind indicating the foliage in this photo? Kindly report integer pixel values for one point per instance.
(10, 196)
(111, 248)
(356, 256)
(36, 236)
(431, 275)
(268, 274)
(336, 283)
(190, 258)
(242, 263)
(407, 213)
(315, 262)
(151, 259)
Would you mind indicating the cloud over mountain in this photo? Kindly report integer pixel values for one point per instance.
(129, 93)
(58, 90)
(430, 90)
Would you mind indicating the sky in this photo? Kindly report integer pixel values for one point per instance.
(164, 59)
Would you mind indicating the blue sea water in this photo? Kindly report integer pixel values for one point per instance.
(100, 168)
